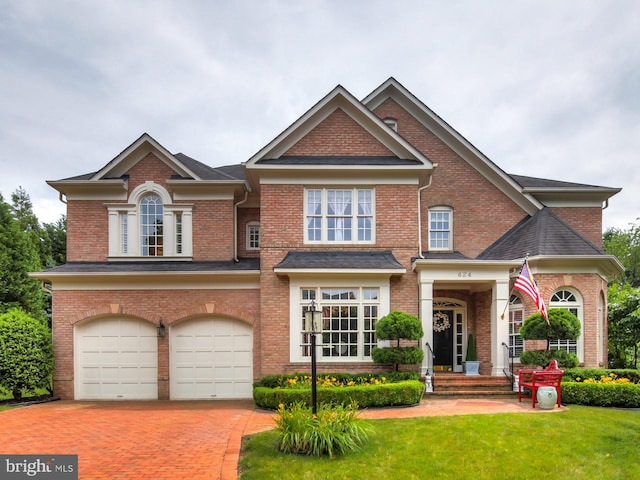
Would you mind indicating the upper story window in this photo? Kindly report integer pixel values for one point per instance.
(339, 215)
(150, 225)
(440, 228)
(151, 218)
(253, 236)
(566, 298)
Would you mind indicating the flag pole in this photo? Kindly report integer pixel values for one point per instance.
(526, 258)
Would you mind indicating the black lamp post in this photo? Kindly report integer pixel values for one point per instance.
(313, 325)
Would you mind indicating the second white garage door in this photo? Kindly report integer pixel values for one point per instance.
(211, 358)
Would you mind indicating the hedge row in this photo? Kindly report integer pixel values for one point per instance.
(601, 394)
(408, 392)
(273, 381)
(572, 374)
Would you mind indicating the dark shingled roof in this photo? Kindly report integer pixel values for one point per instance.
(380, 260)
(338, 160)
(205, 172)
(542, 234)
(244, 264)
(444, 256)
(533, 182)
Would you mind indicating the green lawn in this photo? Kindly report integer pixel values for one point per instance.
(580, 443)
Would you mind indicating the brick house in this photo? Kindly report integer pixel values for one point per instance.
(186, 281)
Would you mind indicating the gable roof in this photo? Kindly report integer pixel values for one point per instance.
(273, 157)
(110, 181)
(543, 234)
(139, 149)
(392, 89)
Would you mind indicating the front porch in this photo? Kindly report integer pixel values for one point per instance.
(459, 297)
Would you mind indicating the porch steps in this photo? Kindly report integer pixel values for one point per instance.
(447, 384)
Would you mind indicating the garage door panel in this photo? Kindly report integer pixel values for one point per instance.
(116, 358)
(209, 346)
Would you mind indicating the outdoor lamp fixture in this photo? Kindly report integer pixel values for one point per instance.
(160, 329)
(313, 325)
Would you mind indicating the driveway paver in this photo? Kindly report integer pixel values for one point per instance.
(170, 439)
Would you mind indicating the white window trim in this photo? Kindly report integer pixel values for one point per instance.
(577, 305)
(449, 246)
(131, 210)
(295, 287)
(519, 306)
(248, 236)
(354, 216)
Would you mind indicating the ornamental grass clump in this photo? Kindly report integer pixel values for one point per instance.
(334, 430)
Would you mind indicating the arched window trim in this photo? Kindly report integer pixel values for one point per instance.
(124, 226)
(570, 298)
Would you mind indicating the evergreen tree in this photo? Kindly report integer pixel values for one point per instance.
(18, 257)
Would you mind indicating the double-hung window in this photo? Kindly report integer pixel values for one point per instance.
(339, 215)
(440, 228)
(349, 316)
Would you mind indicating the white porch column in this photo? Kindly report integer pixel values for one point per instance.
(499, 325)
(426, 315)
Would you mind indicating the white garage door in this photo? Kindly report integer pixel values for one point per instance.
(116, 359)
(211, 358)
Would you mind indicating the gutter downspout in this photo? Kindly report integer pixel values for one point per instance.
(235, 226)
(420, 215)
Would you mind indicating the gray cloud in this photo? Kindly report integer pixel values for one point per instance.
(544, 88)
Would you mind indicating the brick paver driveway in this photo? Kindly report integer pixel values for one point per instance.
(136, 440)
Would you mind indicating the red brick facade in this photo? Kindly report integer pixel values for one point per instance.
(482, 213)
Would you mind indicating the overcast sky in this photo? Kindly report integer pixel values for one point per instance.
(544, 88)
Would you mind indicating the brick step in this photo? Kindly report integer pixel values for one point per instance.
(472, 394)
(482, 385)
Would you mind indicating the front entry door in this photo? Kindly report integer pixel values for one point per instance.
(448, 335)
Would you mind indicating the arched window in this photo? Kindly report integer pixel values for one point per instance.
(571, 300)
(151, 232)
(150, 225)
(516, 318)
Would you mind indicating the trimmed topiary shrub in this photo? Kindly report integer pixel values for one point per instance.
(26, 354)
(398, 326)
(542, 358)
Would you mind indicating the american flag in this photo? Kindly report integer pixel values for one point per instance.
(527, 285)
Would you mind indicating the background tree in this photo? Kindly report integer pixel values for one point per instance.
(625, 245)
(398, 326)
(624, 326)
(564, 326)
(18, 257)
(26, 354)
(623, 319)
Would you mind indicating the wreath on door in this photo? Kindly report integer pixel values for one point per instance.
(441, 322)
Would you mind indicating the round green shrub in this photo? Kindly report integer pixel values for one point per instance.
(542, 358)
